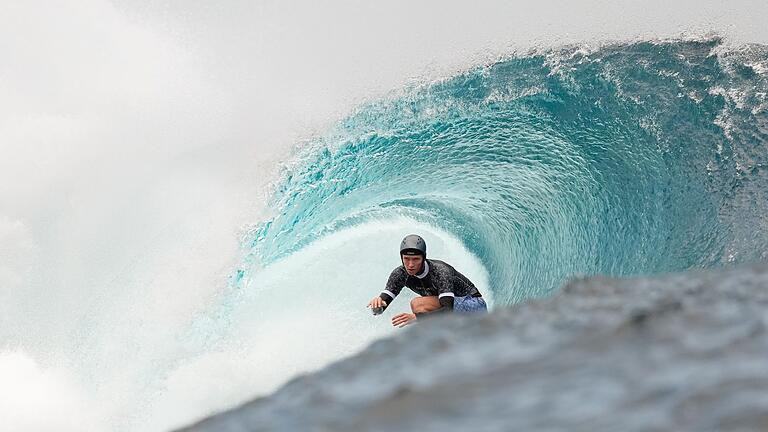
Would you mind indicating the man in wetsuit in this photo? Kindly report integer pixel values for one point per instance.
(441, 287)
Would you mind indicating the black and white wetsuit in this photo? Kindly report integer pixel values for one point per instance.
(438, 278)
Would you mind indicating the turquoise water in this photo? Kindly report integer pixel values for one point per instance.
(629, 159)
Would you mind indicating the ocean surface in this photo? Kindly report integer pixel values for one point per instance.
(682, 352)
(623, 159)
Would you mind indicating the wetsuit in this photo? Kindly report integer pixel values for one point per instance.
(437, 278)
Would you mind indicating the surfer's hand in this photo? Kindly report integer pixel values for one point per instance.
(377, 302)
(403, 319)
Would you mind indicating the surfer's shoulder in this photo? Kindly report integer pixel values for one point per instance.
(439, 265)
(399, 272)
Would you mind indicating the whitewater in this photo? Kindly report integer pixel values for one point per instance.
(197, 203)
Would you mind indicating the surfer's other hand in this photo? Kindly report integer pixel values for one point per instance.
(403, 319)
(377, 302)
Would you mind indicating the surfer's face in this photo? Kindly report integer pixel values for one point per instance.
(412, 263)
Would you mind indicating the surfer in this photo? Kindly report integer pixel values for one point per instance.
(441, 287)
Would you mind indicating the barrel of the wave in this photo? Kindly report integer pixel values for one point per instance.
(631, 159)
(441, 288)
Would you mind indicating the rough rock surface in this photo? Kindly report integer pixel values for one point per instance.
(684, 352)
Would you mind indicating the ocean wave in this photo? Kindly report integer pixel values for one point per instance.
(626, 159)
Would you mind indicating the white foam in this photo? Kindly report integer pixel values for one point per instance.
(34, 398)
(302, 312)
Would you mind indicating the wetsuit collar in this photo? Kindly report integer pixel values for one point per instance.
(423, 274)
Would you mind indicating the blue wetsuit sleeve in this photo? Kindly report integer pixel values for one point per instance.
(395, 283)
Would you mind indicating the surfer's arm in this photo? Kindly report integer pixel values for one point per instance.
(394, 285)
(387, 296)
(442, 278)
(446, 305)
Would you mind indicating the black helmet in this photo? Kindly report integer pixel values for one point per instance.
(413, 245)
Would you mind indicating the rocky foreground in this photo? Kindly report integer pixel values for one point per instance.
(685, 352)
